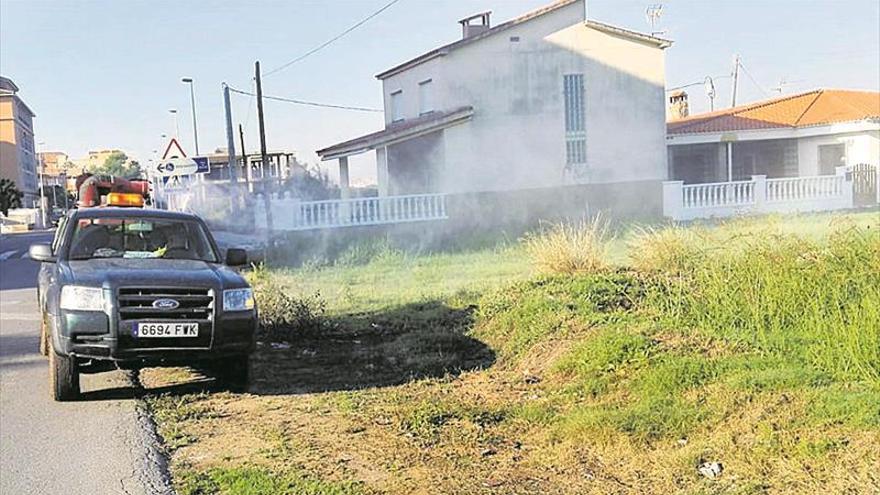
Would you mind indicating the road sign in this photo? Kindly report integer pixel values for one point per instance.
(176, 182)
(169, 153)
(170, 167)
(204, 166)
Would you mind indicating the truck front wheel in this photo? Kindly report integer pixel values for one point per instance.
(63, 377)
(234, 372)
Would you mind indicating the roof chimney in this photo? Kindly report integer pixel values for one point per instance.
(470, 28)
(678, 105)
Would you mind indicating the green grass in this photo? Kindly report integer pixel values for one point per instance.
(259, 481)
(755, 342)
(400, 279)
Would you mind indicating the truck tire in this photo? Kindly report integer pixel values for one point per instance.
(234, 372)
(63, 377)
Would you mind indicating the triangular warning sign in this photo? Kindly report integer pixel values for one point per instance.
(169, 154)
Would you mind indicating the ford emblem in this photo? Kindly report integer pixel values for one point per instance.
(165, 304)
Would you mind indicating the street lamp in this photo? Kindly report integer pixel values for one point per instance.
(42, 197)
(192, 99)
(173, 111)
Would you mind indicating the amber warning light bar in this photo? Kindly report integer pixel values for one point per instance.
(125, 199)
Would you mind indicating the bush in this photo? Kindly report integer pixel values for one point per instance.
(282, 316)
(568, 249)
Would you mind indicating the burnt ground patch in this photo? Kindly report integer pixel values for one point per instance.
(372, 349)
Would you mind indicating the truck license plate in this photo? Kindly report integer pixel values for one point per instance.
(182, 329)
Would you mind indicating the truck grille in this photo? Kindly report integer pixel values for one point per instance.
(193, 304)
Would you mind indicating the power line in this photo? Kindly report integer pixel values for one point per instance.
(309, 103)
(331, 40)
(753, 79)
(250, 104)
(697, 83)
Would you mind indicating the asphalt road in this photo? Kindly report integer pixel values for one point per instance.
(99, 445)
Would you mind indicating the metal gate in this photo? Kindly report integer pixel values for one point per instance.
(864, 179)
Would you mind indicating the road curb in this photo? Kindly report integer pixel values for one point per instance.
(154, 474)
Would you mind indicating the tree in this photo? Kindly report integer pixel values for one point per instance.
(118, 165)
(10, 196)
(310, 183)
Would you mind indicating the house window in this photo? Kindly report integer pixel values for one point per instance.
(575, 120)
(397, 105)
(426, 104)
(831, 156)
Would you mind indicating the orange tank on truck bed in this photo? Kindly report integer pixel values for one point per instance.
(95, 190)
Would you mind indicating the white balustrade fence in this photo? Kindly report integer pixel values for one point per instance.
(758, 195)
(805, 188)
(293, 214)
(718, 194)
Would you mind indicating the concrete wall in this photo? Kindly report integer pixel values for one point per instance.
(516, 139)
(862, 147)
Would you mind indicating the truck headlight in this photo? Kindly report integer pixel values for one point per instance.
(238, 300)
(80, 298)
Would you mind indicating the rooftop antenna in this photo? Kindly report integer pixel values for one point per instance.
(783, 83)
(653, 13)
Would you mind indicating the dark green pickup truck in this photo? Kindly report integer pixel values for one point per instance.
(132, 288)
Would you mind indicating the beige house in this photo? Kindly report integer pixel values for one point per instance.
(545, 101)
(17, 158)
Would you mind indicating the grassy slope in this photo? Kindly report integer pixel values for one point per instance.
(586, 391)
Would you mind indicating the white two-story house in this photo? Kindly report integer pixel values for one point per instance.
(549, 104)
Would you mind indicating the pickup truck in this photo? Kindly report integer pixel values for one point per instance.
(132, 287)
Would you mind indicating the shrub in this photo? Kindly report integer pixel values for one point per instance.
(566, 248)
(282, 316)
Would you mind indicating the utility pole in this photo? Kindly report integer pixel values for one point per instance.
(230, 150)
(244, 160)
(735, 79)
(267, 189)
(230, 137)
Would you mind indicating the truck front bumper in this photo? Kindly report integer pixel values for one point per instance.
(94, 335)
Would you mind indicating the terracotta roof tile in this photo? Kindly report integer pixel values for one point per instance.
(819, 107)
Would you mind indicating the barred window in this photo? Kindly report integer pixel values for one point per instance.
(575, 120)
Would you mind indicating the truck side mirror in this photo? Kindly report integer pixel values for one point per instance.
(42, 253)
(236, 257)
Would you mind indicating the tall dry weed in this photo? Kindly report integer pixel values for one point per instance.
(570, 248)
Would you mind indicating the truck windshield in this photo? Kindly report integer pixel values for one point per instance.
(140, 238)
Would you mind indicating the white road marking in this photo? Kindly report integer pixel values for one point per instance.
(20, 317)
(6, 254)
